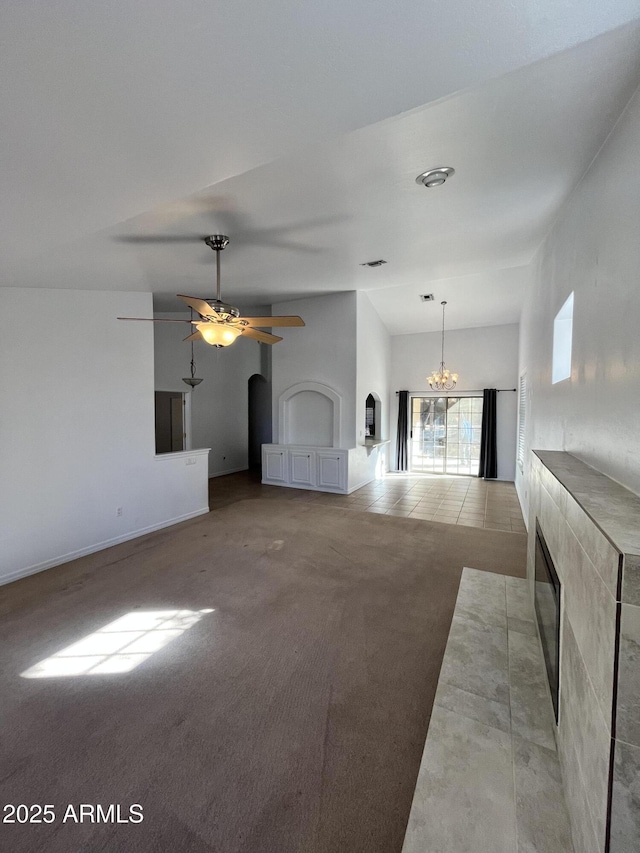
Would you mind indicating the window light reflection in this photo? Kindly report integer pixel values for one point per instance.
(120, 646)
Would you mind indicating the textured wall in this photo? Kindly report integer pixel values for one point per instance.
(593, 251)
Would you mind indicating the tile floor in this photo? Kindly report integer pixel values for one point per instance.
(430, 497)
(490, 777)
(453, 500)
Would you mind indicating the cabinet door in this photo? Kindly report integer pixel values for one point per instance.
(302, 467)
(331, 470)
(275, 467)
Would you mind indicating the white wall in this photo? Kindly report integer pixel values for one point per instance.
(77, 429)
(594, 251)
(220, 404)
(373, 363)
(373, 366)
(323, 351)
(485, 357)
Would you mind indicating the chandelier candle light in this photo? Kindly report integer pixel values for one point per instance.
(442, 379)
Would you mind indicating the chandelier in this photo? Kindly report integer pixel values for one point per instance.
(442, 379)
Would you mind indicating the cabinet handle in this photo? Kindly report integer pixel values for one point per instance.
(308, 456)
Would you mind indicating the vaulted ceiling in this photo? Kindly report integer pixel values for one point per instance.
(298, 129)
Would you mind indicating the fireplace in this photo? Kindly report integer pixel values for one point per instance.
(547, 604)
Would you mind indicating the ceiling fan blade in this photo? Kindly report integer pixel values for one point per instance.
(203, 308)
(263, 337)
(270, 322)
(196, 336)
(154, 319)
(160, 238)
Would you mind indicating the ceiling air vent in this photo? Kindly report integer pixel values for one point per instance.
(426, 297)
(374, 263)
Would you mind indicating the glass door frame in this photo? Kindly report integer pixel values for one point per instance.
(474, 427)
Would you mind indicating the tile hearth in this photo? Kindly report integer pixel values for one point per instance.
(490, 776)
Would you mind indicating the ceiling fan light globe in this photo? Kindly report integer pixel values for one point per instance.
(218, 334)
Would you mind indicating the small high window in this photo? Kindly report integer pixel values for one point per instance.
(562, 337)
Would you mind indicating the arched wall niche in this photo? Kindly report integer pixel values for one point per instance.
(310, 414)
(373, 415)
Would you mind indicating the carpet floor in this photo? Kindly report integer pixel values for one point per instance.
(286, 706)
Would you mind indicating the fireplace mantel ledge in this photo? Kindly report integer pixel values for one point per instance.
(612, 508)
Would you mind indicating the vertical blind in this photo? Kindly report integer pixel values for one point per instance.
(522, 416)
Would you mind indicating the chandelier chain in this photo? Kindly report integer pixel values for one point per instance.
(193, 381)
(442, 379)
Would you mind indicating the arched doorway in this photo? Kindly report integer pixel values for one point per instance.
(259, 417)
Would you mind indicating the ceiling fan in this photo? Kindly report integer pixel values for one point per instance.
(227, 217)
(220, 324)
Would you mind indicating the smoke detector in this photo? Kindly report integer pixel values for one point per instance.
(435, 177)
(426, 297)
(373, 263)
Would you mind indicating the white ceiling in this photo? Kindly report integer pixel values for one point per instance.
(301, 123)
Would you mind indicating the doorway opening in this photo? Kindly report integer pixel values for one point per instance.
(172, 421)
(445, 435)
(260, 426)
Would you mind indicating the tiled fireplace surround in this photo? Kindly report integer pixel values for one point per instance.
(592, 529)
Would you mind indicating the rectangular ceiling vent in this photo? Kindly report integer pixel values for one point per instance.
(426, 297)
(374, 263)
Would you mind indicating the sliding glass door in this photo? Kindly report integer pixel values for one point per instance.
(445, 435)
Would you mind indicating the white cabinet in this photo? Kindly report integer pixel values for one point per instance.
(274, 465)
(332, 469)
(319, 468)
(302, 467)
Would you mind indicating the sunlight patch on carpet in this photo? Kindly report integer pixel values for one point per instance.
(120, 646)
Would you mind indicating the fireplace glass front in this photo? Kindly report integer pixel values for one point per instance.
(547, 604)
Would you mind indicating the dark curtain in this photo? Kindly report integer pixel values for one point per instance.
(488, 454)
(402, 458)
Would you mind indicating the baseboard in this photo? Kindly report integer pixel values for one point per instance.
(303, 487)
(230, 471)
(99, 546)
(360, 485)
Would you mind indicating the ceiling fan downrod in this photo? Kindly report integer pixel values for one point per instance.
(217, 242)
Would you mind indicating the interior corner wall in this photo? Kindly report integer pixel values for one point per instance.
(220, 404)
(77, 429)
(323, 351)
(373, 364)
(593, 250)
(484, 357)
